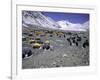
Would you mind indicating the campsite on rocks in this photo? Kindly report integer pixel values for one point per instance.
(50, 41)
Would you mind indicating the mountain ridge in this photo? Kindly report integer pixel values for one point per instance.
(30, 18)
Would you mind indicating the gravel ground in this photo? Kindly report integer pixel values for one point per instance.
(63, 54)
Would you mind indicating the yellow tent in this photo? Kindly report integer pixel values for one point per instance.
(36, 45)
(47, 41)
(32, 41)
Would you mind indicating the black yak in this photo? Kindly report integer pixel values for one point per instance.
(26, 52)
(86, 44)
(46, 46)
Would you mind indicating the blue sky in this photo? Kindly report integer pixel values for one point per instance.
(72, 17)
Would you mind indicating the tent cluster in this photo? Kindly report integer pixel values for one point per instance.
(35, 40)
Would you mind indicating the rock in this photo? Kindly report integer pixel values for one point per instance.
(64, 55)
(54, 63)
(57, 65)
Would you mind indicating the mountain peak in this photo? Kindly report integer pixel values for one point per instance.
(66, 25)
(38, 19)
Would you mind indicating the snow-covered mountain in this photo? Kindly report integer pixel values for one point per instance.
(31, 18)
(86, 25)
(38, 19)
(66, 25)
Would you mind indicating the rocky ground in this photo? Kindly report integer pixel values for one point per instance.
(63, 55)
